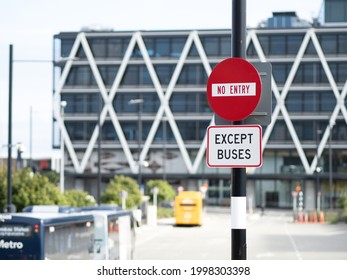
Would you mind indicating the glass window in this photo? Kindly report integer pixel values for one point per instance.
(294, 102)
(71, 78)
(109, 132)
(177, 103)
(130, 129)
(192, 74)
(211, 45)
(90, 129)
(308, 72)
(342, 43)
(83, 76)
(340, 130)
(310, 101)
(328, 101)
(116, 47)
(264, 42)
(75, 130)
(203, 105)
(203, 125)
(225, 46)
(193, 51)
(150, 46)
(279, 132)
(108, 73)
(163, 47)
(293, 43)
(151, 103)
(299, 76)
(131, 76)
(342, 72)
(277, 45)
(81, 53)
(336, 11)
(183, 102)
(98, 47)
(177, 44)
(307, 130)
(187, 130)
(279, 71)
(310, 50)
(66, 46)
(144, 77)
(164, 73)
(79, 103)
(328, 43)
(251, 52)
(92, 103)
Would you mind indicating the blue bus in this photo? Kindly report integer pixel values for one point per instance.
(114, 232)
(39, 236)
(63, 235)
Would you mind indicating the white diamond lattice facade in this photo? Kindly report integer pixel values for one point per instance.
(164, 134)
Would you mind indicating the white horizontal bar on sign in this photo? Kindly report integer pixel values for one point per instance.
(233, 89)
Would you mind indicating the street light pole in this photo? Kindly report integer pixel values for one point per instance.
(9, 147)
(140, 102)
(318, 168)
(331, 125)
(63, 104)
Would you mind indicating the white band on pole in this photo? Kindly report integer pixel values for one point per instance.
(238, 212)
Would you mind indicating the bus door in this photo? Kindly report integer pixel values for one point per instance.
(125, 238)
(99, 246)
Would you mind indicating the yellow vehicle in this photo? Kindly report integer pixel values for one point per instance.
(188, 208)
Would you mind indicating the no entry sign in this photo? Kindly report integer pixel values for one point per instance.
(234, 146)
(234, 89)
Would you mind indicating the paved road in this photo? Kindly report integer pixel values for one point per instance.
(272, 236)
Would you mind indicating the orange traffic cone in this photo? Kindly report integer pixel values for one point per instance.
(306, 218)
(300, 217)
(321, 217)
(315, 218)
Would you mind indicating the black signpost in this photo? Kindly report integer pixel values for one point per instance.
(238, 186)
(241, 104)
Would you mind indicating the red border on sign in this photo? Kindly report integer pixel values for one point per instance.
(234, 165)
(233, 71)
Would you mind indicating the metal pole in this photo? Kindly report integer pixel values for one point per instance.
(9, 147)
(330, 169)
(99, 152)
(164, 149)
(31, 138)
(139, 143)
(238, 187)
(318, 132)
(63, 104)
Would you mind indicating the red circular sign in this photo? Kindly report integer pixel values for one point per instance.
(234, 89)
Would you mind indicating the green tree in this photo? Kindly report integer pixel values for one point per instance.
(3, 189)
(120, 183)
(34, 189)
(77, 198)
(53, 177)
(29, 189)
(166, 191)
(342, 201)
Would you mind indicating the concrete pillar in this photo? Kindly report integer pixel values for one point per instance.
(309, 195)
(251, 195)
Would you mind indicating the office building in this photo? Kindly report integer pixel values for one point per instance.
(137, 106)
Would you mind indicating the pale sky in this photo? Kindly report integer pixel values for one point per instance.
(29, 25)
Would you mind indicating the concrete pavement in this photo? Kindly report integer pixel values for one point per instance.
(272, 236)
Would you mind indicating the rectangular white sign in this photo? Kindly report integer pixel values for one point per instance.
(233, 89)
(234, 146)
